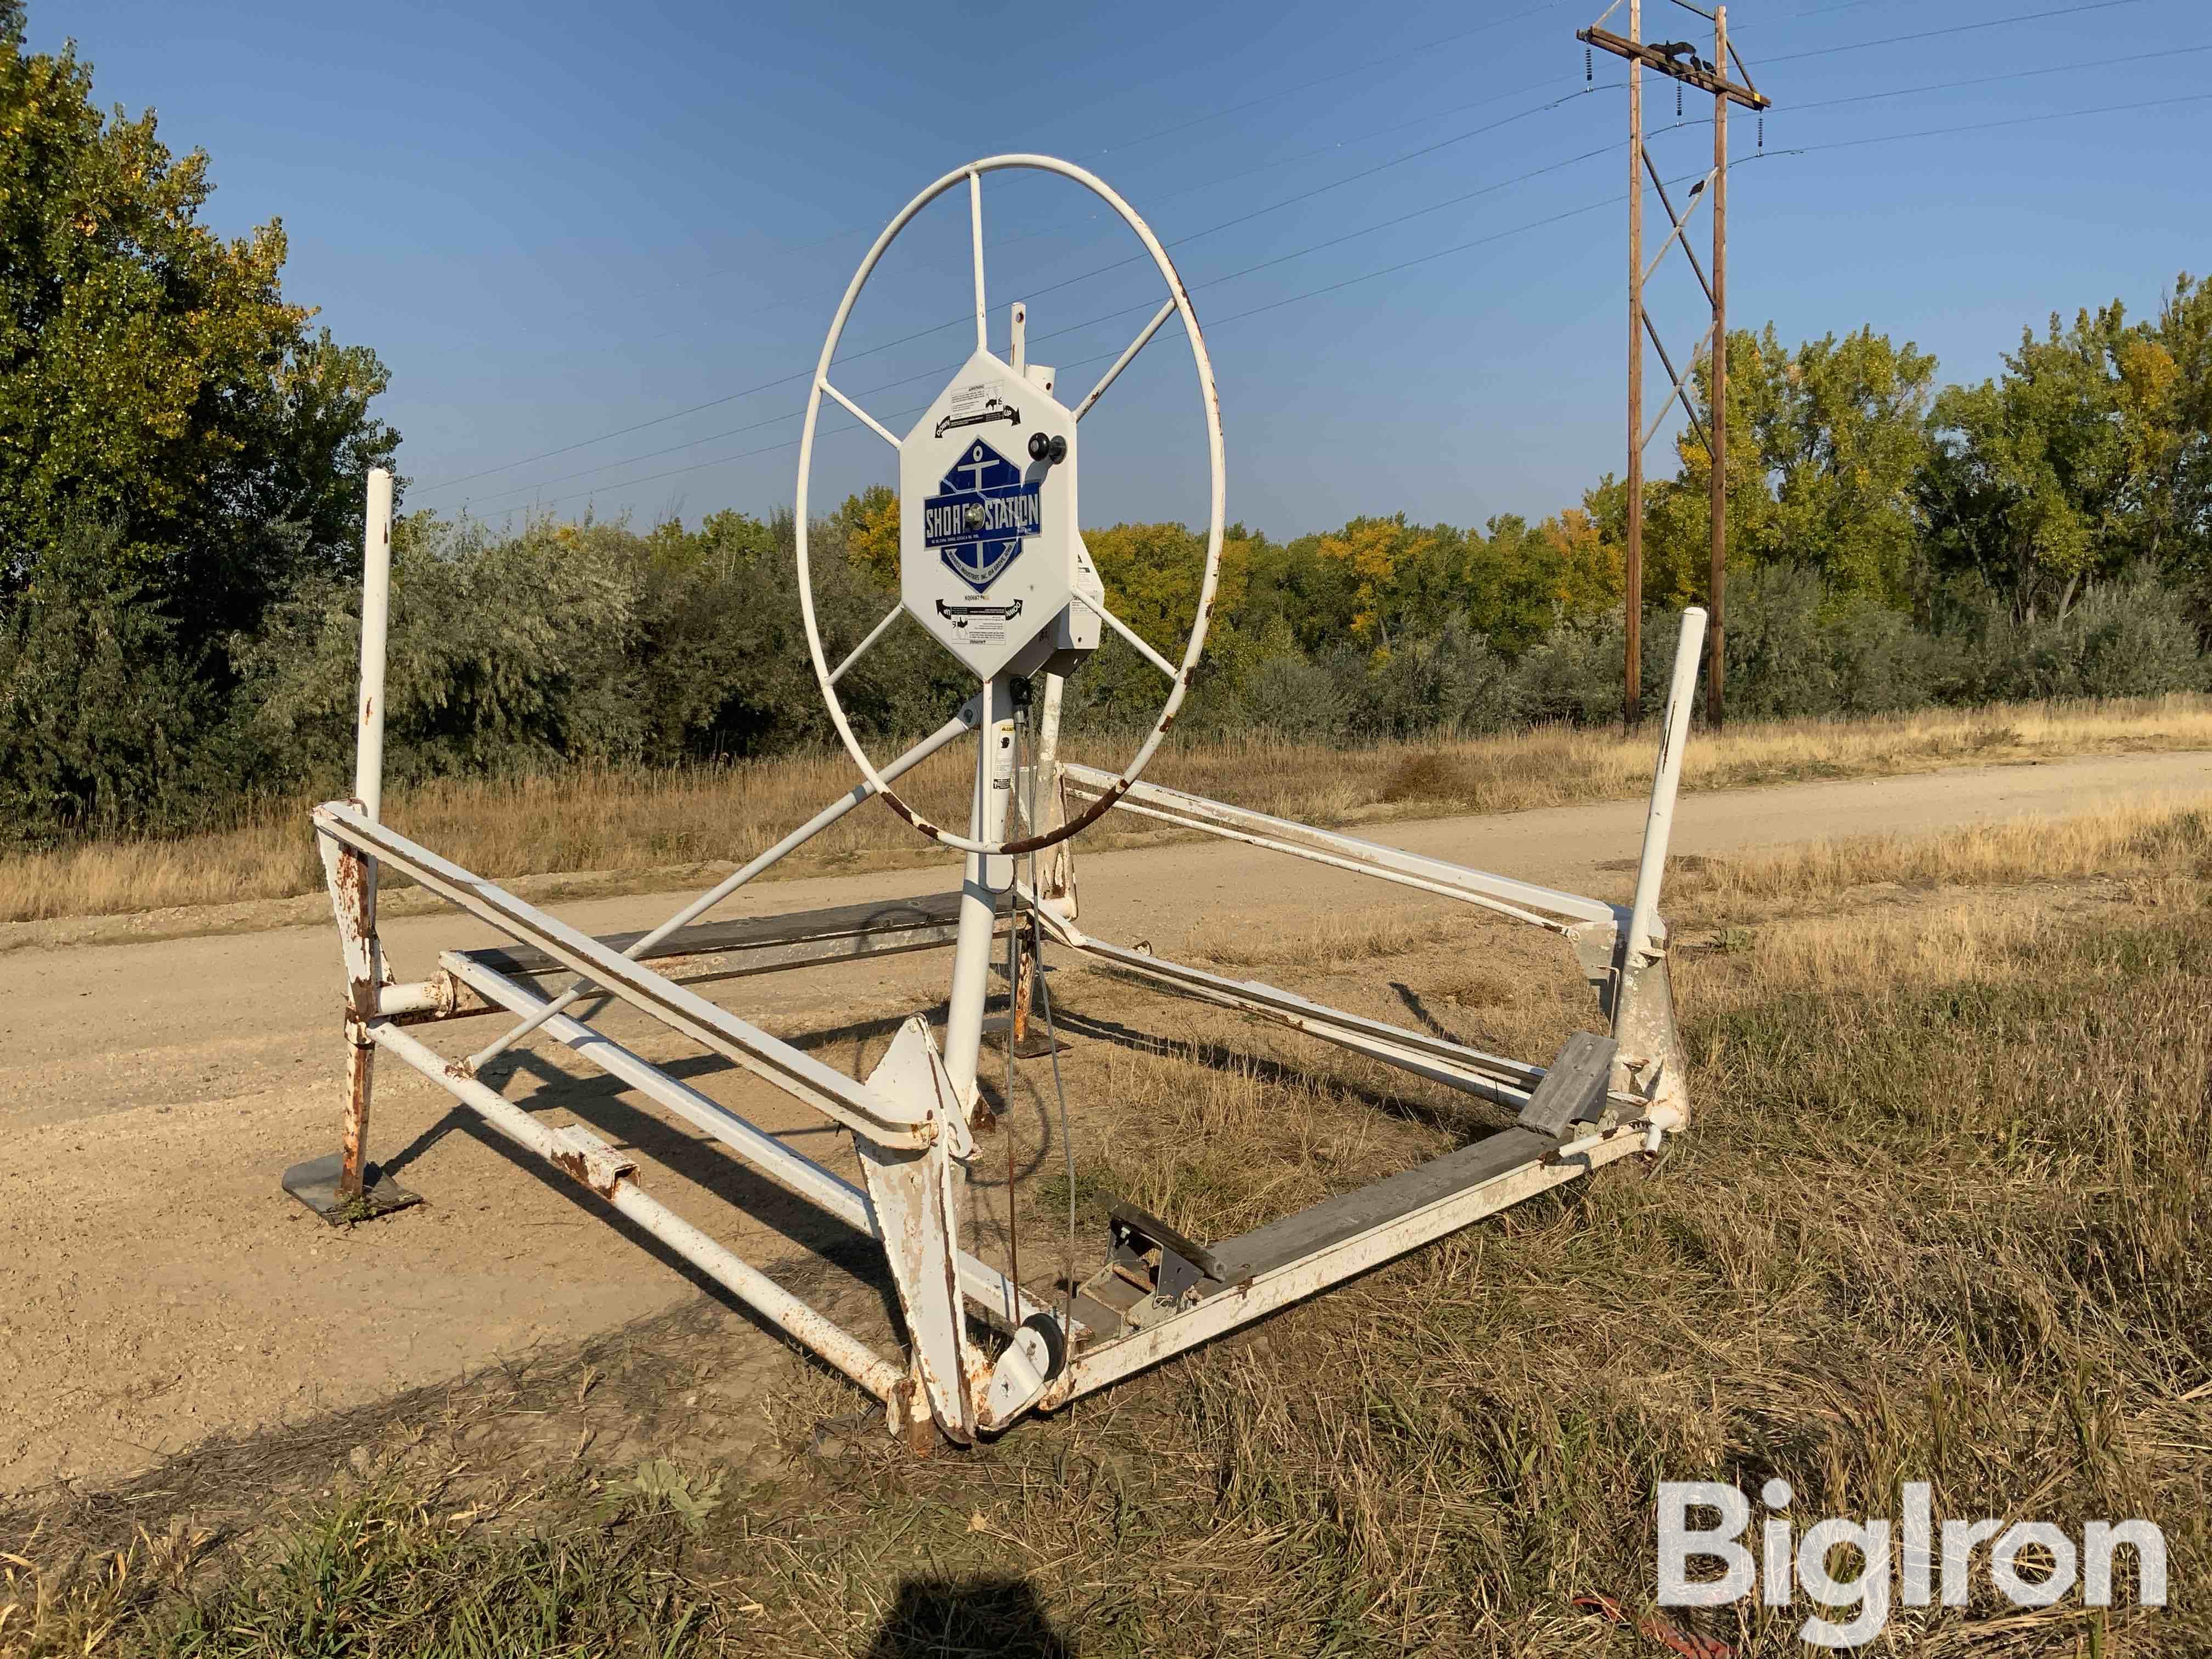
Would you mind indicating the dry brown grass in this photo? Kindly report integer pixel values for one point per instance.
(1940, 1216)
(1341, 941)
(2170, 836)
(637, 823)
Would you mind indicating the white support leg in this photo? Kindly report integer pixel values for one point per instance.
(1650, 1062)
(1056, 880)
(1666, 781)
(916, 1213)
(352, 874)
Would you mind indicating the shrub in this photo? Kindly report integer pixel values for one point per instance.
(1448, 681)
(2132, 636)
(105, 725)
(1292, 695)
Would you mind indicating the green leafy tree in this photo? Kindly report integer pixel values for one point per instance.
(2178, 484)
(104, 718)
(1400, 572)
(871, 523)
(153, 379)
(1826, 444)
(2064, 469)
(1151, 573)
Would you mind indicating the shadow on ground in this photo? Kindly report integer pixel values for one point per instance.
(938, 1618)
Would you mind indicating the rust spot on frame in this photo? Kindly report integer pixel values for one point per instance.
(575, 1165)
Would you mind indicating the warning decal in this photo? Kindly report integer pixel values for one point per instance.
(977, 519)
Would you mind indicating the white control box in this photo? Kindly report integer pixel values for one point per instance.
(990, 558)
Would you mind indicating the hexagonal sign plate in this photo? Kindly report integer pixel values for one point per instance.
(988, 551)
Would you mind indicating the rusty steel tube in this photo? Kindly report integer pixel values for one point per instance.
(355, 896)
(353, 1141)
(812, 1329)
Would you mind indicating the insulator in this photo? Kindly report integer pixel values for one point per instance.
(1589, 70)
(1762, 131)
(1678, 100)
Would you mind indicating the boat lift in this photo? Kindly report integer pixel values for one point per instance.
(993, 564)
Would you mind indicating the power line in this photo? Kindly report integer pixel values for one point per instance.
(1956, 28)
(1334, 241)
(1291, 160)
(1304, 86)
(1944, 86)
(785, 379)
(1253, 103)
(1104, 356)
(1440, 253)
(1210, 282)
(1983, 126)
(714, 403)
(995, 241)
(2013, 74)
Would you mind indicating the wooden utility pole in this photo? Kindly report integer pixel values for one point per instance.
(1717, 589)
(1678, 61)
(1631, 709)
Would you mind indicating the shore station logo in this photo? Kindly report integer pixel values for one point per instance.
(977, 519)
(2031, 1564)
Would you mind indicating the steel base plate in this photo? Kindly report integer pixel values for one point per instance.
(315, 1184)
(1036, 1046)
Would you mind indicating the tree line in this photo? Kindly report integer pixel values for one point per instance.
(183, 456)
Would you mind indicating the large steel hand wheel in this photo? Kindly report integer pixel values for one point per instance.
(1032, 510)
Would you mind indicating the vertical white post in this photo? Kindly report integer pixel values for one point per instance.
(987, 879)
(1020, 359)
(1659, 823)
(975, 235)
(1056, 880)
(353, 875)
(375, 622)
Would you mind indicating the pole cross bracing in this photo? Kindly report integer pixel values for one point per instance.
(993, 565)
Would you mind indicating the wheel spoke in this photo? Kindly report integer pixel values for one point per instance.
(975, 237)
(1131, 634)
(1126, 358)
(874, 634)
(866, 419)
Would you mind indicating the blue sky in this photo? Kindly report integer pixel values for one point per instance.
(554, 220)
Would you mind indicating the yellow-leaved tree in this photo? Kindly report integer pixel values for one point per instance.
(1382, 555)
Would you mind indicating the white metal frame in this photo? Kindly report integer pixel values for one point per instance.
(981, 1350)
